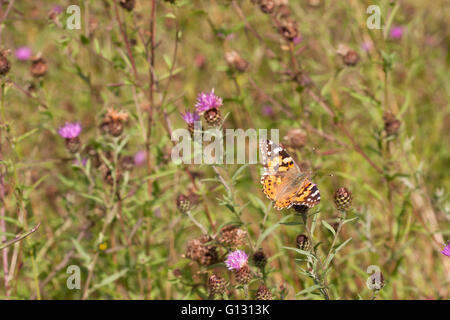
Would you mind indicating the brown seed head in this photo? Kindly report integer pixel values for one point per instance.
(391, 123)
(351, 58)
(127, 4)
(243, 275)
(5, 65)
(263, 293)
(38, 67)
(198, 250)
(296, 138)
(216, 284)
(233, 237)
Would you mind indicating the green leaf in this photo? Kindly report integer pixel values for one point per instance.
(84, 255)
(343, 245)
(327, 225)
(303, 252)
(349, 220)
(96, 199)
(310, 289)
(26, 135)
(269, 230)
(238, 171)
(373, 191)
(109, 280)
(170, 15)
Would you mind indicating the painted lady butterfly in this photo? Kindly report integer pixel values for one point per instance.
(283, 181)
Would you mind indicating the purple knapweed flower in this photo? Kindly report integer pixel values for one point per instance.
(367, 46)
(268, 111)
(297, 40)
(83, 162)
(140, 157)
(70, 130)
(23, 53)
(236, 260)
(446, 251)
(57, 9)
(207, 101)
(190, 117)
(396, 32)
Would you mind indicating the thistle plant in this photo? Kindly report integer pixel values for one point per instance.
(93, 123)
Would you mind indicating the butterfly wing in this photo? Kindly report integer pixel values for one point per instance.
(282, 180)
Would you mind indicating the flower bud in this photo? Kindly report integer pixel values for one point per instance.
(263, 293)
(216, 284)
(302, 242)
(342, 199)
(5, 65)
(259, 259)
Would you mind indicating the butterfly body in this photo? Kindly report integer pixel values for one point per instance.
(283, 181)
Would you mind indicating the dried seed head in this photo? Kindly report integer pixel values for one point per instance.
(314, 3)
(391, 123)
(243, 275)
(303, 79)
(183, 203)
(288, 29)
(5, 65)
(259, 259)
(93, 155)
(342, 199)
(38, 67)
(235, 61)
(213, 117)
(263, 293)
(233, 237)
(177, 273)
(296, 138)
(351, 58)
(109, 179)
(216, 284)
(302, 242)
(198, 250)
(127, 4)
(73, 144)
(114, 122)
(127, 163)
(267, 6)
(116, 128)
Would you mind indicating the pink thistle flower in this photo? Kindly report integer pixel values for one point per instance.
(83, 162)
(446, 251)
(207, 101)
(23, 53)
(367, 46)
(140, 157)
(396, 32)
(70, 130)
(268, 111)
(236, 260)
(57, 9)
(297, 39)
(190, 117)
